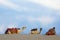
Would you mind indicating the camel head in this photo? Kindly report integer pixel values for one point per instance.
(22, 29)
(40, 30)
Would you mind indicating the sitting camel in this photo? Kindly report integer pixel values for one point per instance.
(35, 31)
(51, 31)
(14, 30)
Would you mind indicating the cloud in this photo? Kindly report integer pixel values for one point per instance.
(12, 5)
(15, 6)
(44, 19)
(9, 4)
(55, 4)
(2, 28)
(12, 26)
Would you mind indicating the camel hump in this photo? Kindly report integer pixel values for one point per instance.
(51, 31)
(34, 29)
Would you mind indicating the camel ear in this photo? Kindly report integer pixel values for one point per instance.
(53, 27)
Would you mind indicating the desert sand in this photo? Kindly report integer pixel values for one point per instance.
(28, 37)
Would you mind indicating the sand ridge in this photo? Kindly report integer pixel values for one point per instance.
(28, 37)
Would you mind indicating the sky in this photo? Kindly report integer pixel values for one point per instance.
(30, 13)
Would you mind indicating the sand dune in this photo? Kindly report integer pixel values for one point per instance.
(28, 37)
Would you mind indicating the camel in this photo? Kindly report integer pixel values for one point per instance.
(14, 30)
(51, 31)
(35, 31)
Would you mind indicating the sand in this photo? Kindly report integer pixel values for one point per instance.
(27, 37)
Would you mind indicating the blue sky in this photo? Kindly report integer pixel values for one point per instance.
(30, 13)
